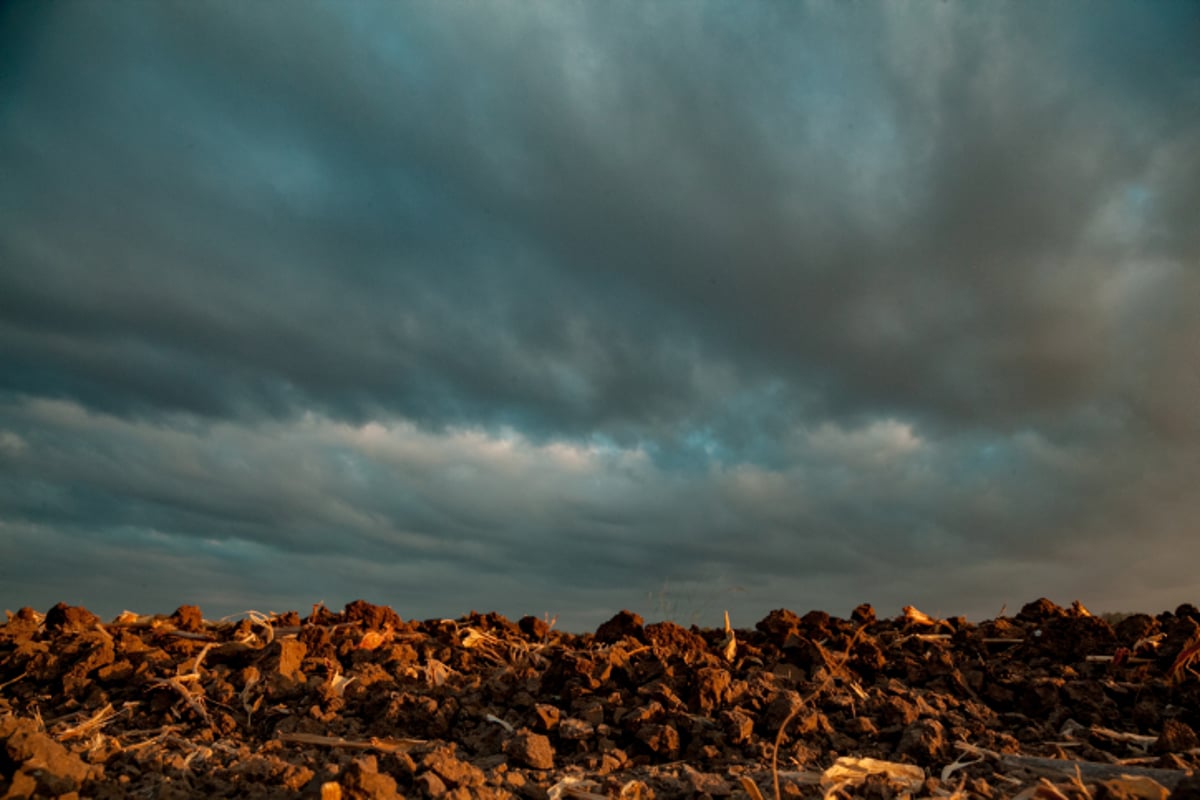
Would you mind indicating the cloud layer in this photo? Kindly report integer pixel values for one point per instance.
(546, 307)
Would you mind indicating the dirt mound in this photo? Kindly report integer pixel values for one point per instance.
(362, 704)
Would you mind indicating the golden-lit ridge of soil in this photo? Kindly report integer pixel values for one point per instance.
(1049, 703)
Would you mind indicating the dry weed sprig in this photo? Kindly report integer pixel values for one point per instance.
(484, 644)
(500, 651)
(1187, 656)
(960, 763)
(334, 678)
(1077, 778)
(93, 723)
(6, 684)
(751, 788)
(502, 723)
(196, 703)
(160, 734)
(1046, 788)
(244, 697)
(195, 670)
(189, 635)
(436, 673)
(383, 745)
(261, 620)
(194, 699)
(831, 672)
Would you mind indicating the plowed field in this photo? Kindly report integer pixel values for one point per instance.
(361, 703)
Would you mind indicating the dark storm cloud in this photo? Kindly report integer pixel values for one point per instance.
(809, 294)
(549, 218)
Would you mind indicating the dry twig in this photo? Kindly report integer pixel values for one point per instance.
(831, 671)
(93, 723)
(374, 743)
(6, 684)
(196, 704)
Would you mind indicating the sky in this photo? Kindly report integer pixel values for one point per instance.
(559, 308)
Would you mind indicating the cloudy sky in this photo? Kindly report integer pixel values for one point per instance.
(564, 307)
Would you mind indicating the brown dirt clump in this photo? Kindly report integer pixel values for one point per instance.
(360, 703)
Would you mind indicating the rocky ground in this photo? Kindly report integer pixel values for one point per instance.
(1052, 703)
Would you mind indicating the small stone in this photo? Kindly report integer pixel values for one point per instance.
(1176, 737)
(591, 713)
(782, 708)
(363, 781)
(1187, 789)
(816, 624)
(868, 658)
(623, 625)
(711, 688)
(284, 656)
(114, 673)
(452, 769)
(706, 783)
(21, 626)
(534, 628)
(70, 618)
(1129, 787)
(861, 726)
(898, 711)
(1188, 610)
(1040, 610)
(738, 725)
(547, 716)
(531, 750)
(609, 763)
(55, 769)
(1134, 628)
(779, 625)
(863, 614)
(670, 637)
(663, 740)
(372, 616)
(430, 784)
(923, 741)
(188, 618)
(573, 728)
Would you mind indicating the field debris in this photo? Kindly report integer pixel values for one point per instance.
(1050, 703)
(848, 772)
